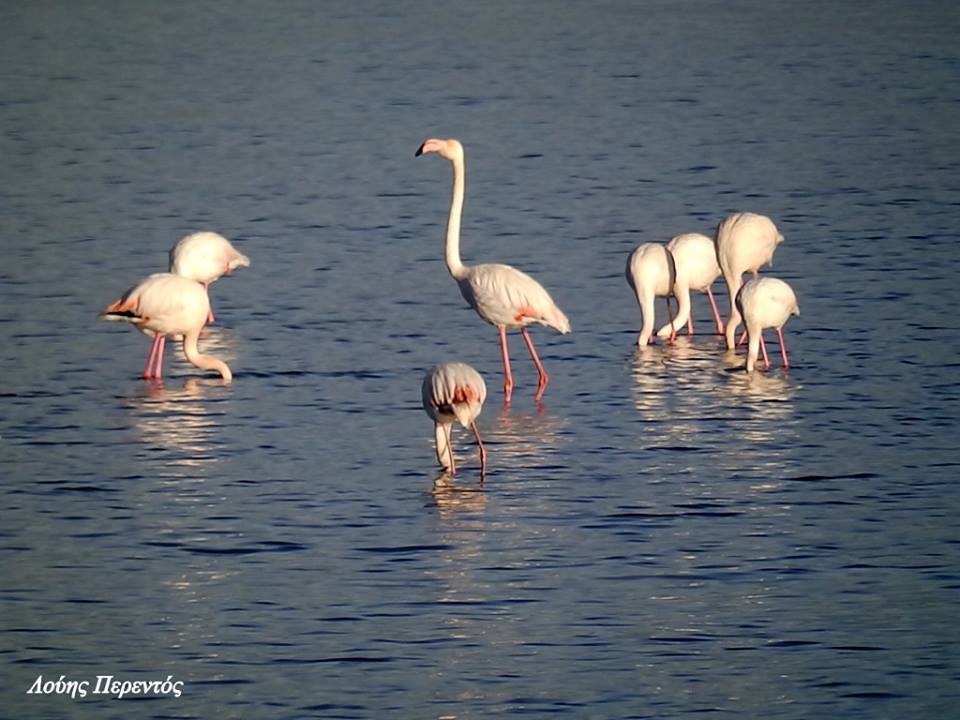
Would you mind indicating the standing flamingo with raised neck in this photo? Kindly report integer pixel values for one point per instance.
(695, 260)
(766, 302)
(166, 304)
(502, 295)
(745, 242)
(651, 273)
(454, 392)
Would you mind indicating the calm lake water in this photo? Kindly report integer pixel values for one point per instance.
(664, 537)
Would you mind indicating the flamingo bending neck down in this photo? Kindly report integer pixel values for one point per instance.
(744, 241)
(167, 304)
(500, 294)
(766, 302)
(651, 273)
(454, 392)
(695, 259)
(204, 257)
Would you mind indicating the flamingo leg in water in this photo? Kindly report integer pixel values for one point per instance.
(544, 378)
(453, 465)
(507, 375)
(156, 350)
(483, 451)
(210, 317)
(783, 348)
(673, 330)
(158, 366)
(743, 339)
(763, 348)
(716, 313)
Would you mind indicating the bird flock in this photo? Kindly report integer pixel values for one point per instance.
(176, 303)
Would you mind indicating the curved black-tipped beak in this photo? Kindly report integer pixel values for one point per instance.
(419, 151)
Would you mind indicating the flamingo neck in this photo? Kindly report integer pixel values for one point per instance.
(205, 362)
(452, 249)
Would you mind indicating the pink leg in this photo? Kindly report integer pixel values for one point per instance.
(716, 313)
(483, 451)
(158, 366)
(507, 375)
(673, 330)
(690, 324)
(743, 339)
(453, 465)
(783, 348)
(763, 349)
(156, 348)
(544, 378)
(210, 317)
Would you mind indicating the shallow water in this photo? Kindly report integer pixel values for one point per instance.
(664, 536)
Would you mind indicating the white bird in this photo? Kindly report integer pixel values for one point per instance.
(166, 304)
(766, 302)
(745, 242)
(502, 295)
(695, 259)
(205, 257)
(454, 392)
(651, 273)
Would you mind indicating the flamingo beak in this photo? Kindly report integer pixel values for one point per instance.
(419, 151)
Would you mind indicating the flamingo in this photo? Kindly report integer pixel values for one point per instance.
(766, 302)
(744, 241)
(500, 294)
(167, 304)
(454, 392)
(651, 273)
(205, 257)
(695, 257)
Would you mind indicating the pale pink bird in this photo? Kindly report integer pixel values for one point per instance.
(695, 259)
(454, 392)
(766, 302)
(166, 304)
(205, 257)
(744, 242)
(502, 295)
(650, 272)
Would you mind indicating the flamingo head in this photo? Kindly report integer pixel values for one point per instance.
(450, 149)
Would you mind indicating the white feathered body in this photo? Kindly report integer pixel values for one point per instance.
(764, 302)
(162, 303)
(745, 242)
(451, 392)
(205, 257)
(503, 295)
(650, 272)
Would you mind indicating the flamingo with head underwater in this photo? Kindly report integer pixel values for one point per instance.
(454, 392)
(744, 242)
(500, 294)
(167, 304)
(766, 302)
(695, 260)
(651, 273)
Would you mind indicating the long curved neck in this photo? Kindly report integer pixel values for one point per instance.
(454, 265)
(205, 362)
